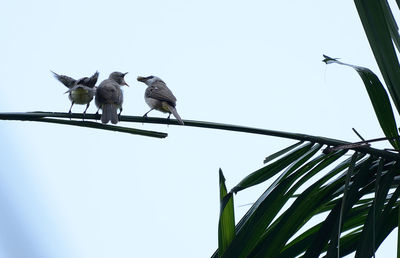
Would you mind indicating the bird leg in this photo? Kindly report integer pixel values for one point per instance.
(70, 113)
(97, 113)
(145, 115)
(169, 119)
(84, 112)
(120, 111)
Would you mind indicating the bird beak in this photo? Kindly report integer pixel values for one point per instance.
(124, 82)
(141, 79)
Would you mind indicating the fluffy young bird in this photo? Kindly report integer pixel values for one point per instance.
(109, 97)
(158, 96)
(80, 91)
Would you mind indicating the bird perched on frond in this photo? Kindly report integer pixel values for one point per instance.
(158, 96)
(109, 97)
(79, 91)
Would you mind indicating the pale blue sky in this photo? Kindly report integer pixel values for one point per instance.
(76, 192)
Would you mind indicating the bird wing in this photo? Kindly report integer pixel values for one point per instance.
(109, 92)
(66, 80)
(160, 92)
(120, 96)
(90, 82)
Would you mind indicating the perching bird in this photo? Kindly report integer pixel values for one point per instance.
(109, 97)
(80, 91)
(158, 96)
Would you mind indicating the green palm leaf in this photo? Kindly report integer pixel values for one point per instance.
(226, 226)
(379, 99)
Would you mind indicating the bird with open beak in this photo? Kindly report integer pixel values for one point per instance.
(109, 97)
(79, 91)
(158, 96)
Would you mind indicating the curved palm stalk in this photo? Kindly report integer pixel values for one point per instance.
(37, 115)
(89, 124)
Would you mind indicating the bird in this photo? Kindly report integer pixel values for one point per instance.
(79, 91)
(109, 97)
(158, 96)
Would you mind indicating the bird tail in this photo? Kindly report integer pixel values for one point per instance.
(109, 113)
(176, 115)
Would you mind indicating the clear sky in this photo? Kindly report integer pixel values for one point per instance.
(78, 192)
